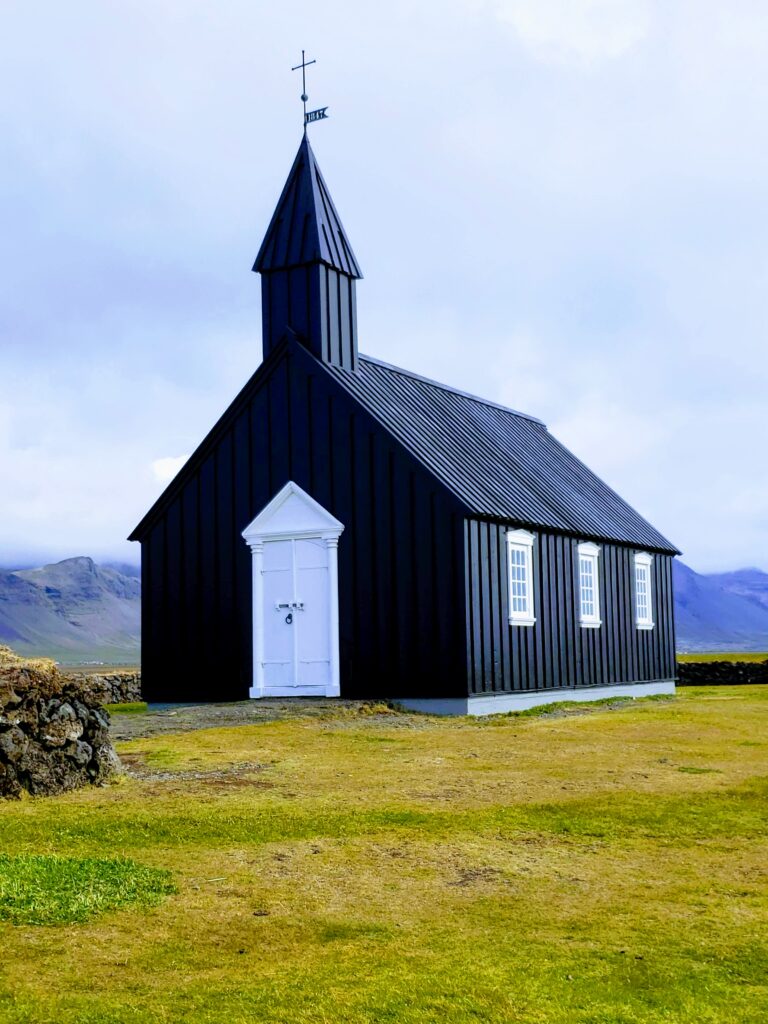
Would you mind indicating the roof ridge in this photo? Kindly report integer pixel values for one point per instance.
(453, 390)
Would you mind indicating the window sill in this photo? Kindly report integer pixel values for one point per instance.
(522, 622)
(644, 625)
(591, 625)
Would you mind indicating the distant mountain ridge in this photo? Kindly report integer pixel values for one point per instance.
(72, 611)
(78, 611)
(721, 611)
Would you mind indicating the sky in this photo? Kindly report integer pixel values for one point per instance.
(560, 205)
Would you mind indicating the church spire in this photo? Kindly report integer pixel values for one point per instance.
(308, 268)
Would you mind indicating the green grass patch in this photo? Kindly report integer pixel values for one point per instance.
(137, 708)
(51, 890)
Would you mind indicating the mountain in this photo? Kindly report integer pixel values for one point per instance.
(749, 583)
(77, 611)
(721, 611)
(73, 611)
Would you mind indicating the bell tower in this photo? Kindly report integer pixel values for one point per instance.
(308, 270)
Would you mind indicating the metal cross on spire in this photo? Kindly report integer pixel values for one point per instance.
(312, 115)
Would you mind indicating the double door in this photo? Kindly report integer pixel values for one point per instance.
(296, 608)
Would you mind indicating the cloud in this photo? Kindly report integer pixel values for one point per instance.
(166, 469)
(558, 204)
(577, 31)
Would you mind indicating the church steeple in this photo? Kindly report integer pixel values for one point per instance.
(308, 270)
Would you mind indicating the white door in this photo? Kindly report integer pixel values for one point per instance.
(294, 543)
(296, 610)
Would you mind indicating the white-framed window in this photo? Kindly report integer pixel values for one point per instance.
(589, 586)
(643, 591)
(520, 573)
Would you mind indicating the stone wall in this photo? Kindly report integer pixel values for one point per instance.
(112, 688)
(721, 673)
(54, 732)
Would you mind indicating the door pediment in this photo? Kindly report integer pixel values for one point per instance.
(292, 512)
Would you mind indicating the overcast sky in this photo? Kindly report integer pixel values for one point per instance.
(557, 204)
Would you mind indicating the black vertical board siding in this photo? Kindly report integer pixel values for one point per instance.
(259, 465)
(603, 632)
(341, 453)
(380, 516)
(476, 607)
(470, 580)
(486, 611)
(154, 625)
(321, 310)
(557, 652)
(544, 615)
(570, 605)
(207, 569)
(365, 582)
(334, 340)
(424, 640)
(626, 612)
(551, 595)
(345, 324)
(278, 452)
(503, 610)
(150, 638)
(564, 612)
(671, 645)
(494, 588)
(320, 431)
(299, 433)
(243, 456)
(225, 576)
(317, 304)
(190, 597)
(173, 610)
(403, 565)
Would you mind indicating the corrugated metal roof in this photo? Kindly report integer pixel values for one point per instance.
(305, 227)
(500, 463)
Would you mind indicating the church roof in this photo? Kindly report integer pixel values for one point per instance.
(501, 463)
(305, 227)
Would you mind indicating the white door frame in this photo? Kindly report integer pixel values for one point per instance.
(291, 515)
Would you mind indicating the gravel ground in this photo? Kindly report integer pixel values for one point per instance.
(165, 718)
(340, 714)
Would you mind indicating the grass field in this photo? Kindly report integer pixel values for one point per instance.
(604, 866)
(724, 656)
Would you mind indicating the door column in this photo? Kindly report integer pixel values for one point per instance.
(257, 560)
(334, 684)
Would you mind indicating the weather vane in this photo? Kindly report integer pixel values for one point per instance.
(312, 115)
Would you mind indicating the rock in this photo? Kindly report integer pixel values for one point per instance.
(9, 783)
(98, 719)
(81, 753)
(13, 744)
(62, 727)
(54, 734)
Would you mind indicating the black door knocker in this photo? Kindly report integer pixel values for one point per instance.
(289, 618)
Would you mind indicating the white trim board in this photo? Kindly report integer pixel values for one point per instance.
(501, 703)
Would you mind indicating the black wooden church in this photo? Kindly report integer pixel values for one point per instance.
(348, 527)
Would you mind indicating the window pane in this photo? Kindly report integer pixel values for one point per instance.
(519, 574)
(588, 586)
(643, 592)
